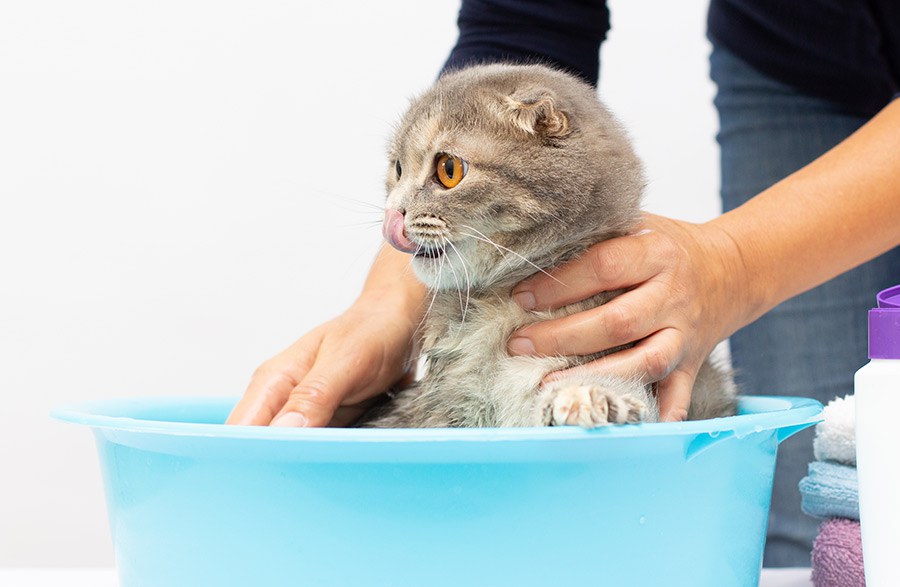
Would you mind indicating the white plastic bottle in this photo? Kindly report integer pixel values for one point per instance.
(877, 388)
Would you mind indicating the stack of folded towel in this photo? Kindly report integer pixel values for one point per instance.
(830, 491)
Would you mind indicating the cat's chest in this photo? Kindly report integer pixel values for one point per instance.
(461, 336)
(470, 356)
(471, 340)
(478, 327)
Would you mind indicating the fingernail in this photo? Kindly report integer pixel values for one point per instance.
(556, 376)
(553, 377)
(520, 346)
(290, 420)
(676, 415)
(525, 299)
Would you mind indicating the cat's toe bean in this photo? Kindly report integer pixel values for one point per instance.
(626, 409)
(578, 406)
(591, 405)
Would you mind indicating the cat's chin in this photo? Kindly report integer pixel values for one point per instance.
(443, 273)
(448, 273)
(430, 271)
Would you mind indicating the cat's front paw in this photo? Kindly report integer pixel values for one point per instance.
(590, 406)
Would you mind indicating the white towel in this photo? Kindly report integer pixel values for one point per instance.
(836, 434)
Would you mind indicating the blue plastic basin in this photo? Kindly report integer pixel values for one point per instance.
(195, 503)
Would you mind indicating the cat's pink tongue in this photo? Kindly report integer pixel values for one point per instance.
(394, 232)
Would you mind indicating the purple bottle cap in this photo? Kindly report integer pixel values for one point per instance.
(884, 325)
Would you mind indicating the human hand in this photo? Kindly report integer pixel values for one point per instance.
(686, 291)
(344, 362)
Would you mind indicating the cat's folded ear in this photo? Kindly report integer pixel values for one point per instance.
(536, 111)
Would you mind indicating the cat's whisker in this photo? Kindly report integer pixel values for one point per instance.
(466, 272)
(409, 265)
(369, 205)
(499, 250)
(489, 241)
(456, 280)
(344, 201)
(367, 224)
(433, 296)
(348, 204)
(483, 237)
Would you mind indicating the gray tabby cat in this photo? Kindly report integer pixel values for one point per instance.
(496, 172)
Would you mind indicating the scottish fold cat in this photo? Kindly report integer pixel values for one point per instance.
(497, 172)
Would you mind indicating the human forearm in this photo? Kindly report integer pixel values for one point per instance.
(391, 279)
(837, 212)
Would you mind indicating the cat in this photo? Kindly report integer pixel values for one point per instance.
(496, 172)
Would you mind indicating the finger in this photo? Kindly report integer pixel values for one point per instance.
(649, 361)
(273, 381)
(629, 317)
(674, 393)
(333, 377)
(266, 394)
(613, 264)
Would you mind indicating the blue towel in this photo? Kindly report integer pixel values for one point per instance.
(830, 491)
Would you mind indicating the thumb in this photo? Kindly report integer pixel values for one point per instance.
(674, 394)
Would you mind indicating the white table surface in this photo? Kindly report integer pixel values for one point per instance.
(107, 578)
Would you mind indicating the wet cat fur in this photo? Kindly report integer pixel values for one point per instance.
(550, 173)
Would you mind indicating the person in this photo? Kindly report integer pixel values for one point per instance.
(810, 156)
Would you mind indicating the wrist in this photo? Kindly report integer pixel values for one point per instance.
(391, 284)
(746, 290)
(397, 298)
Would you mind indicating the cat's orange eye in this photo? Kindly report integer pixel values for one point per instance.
(450, 170)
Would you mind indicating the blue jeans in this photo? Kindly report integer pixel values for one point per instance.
(810, 345)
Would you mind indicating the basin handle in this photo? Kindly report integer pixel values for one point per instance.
(703, 441)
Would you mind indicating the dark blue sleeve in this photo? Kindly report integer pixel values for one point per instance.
(565, 33)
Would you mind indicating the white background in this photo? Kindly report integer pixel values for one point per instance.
(181, 190)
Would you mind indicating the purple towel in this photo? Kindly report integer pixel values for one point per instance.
(837, 559)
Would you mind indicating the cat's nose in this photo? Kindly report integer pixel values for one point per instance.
(395, 233)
